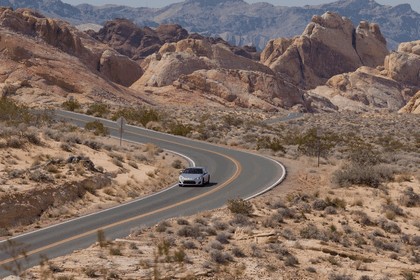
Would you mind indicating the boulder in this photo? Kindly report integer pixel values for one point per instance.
(363, 90)
(413, 105)
(404, 65)
(119, 68)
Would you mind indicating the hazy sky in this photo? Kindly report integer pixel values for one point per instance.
(415, 4)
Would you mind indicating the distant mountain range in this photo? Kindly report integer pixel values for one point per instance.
(236, 21)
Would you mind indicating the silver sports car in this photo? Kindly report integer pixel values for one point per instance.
(194, 176)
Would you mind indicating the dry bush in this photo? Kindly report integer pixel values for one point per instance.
(220, 257)
(240, 206)
(409, 198)
(223, 237)
(189, 231)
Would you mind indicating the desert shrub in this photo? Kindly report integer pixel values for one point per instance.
(182, 221)
(231, 120)
(240, 206)
(189, 231)
(371, 176)
(71, 105)
(291, 260)
(189, 244)
(13, 113)
(408, 275)
(177, 164)
(287, 213)
(97, 128)
(409, 198)
(33, 137)
(223, 237)
(389, 226)
(115, 251)
(362, 218)
(162, 226)
(311, 231)
(179, 256)
(38, 176)
(15, 142)
(133, 164)
(211, 231)
(393, 209)
(98, 109)
(330, 210)
(240, 220)
(311, 144)
(319, 204)
(90, 272)
(237, 252)
(220, 257)
(138, 115)
(334, 276)
(336, 202)
(255, 251)
(415, 240)
(15, 173)
(180, 129)
(216, 245)
(66, 147)
(388, 246)
(220, 225)
(272, 143)
(73, 138)
(288, 234)
(278, 204)
(273, 220)
(94, 145)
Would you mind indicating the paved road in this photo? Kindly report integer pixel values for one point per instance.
(233, 174)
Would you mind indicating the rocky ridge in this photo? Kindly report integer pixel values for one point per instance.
(238, 22)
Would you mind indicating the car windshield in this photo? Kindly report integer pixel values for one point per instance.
(193, 171)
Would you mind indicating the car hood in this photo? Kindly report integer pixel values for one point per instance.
(190, 176)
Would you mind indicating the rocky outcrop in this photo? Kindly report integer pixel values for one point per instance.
(413, 105)
(119, 68)
(68, 39)
(330, 45)
(187, 56)
(37, 74)
(242, 88)
(363, 90)
(138, 43)
(404, 65)
(388, 87)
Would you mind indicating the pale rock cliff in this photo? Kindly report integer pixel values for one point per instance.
(330, 45)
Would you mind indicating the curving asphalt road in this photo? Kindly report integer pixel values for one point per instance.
(234, 174)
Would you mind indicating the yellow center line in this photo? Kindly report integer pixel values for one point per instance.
(221, 186)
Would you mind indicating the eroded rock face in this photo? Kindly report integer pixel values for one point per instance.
(187, 56)
(413, 105)
(61, 35)
(363, 90)
(138, 43)
(119, 68)
(330, 45)
(248, 89)
(404, 65)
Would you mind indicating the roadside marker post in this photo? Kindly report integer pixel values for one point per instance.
(121, 122)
